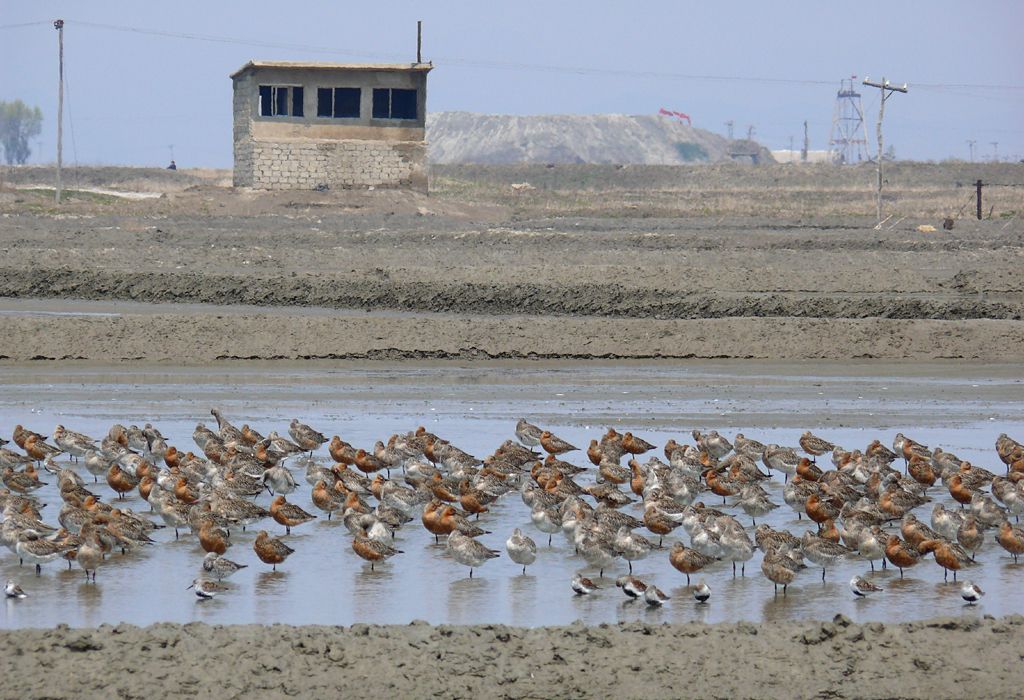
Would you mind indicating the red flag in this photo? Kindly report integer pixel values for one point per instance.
(664, 112)
(683, 116)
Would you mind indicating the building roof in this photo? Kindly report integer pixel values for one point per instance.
(305, 65)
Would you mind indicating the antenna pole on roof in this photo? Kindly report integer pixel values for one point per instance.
(419, 41)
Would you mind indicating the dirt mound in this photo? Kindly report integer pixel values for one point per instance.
(462, 137)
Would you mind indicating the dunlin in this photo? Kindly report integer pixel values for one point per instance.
(971, 593)
(13, 590)
(206, 589)
(862, 588)
(582, 585)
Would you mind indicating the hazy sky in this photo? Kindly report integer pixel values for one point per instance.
(131, 94)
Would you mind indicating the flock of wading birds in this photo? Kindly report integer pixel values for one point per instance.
(448, 489)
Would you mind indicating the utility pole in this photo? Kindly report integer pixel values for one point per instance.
(807, 145)
(59, 26)
(750, 132)
(885, 90)
(790, 145)
(995, 151)
(728, 128)
(970, 145)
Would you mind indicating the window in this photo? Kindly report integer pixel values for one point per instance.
(338, 102)
(281, 101)
(393, 103)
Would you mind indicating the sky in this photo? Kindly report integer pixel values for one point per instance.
(145, 80)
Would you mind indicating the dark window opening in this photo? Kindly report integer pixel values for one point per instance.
(266, 102)
(281, 101)
(324, 99)
(394, 103)
(403, 104)
(346, 102)
(381, 103)
(338, 102)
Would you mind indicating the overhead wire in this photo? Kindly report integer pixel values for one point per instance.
(513, 65)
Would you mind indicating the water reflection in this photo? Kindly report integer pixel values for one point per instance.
(466, 599)
(325, 582)
(271, 583)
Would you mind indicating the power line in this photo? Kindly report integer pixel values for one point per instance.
(510, 65)
(24, 24)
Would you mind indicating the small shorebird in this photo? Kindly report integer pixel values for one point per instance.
(219, 567)
(862, 588)
(288, 514)
(779, 567)
(469, 552)
(75, 444)
(1011, 539)
(687, 561)
(951, 557)
(22, 482)
(823, 552)
(279, 480)
(783, 459)
(90, 551)
(206, 589)
(701, 593)
(528, 433)
(635, 445)
(901, 554)
(631, 546)
(305, 437)
(814, 445)
(971, 593)
(270, 550)
(582, 585)
(655, 597)
(372, 550)
(554, 445)
(633, 587)
(13, 590)
(213, 539)
(521, 549)
(35, 549)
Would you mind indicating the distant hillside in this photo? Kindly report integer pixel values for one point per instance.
(496, 139)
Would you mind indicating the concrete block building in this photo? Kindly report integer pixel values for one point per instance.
(314, 125)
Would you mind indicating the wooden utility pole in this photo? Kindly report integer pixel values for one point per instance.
(807, 145)
(970, 146)
(886, 90)
(59, 26)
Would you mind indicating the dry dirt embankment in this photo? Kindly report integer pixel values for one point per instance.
(942, 658)
(477, 276)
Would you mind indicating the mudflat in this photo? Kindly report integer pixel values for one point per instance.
(476, 273)
(940, 658)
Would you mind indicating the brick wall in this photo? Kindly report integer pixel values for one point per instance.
(305, 165)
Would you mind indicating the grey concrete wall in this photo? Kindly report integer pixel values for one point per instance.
(310, 151)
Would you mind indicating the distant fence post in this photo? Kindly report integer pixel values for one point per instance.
(978, 185)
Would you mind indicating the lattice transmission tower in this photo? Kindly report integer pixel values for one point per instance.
(848, 142)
